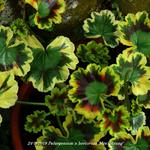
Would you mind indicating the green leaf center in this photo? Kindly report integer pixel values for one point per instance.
(113, 118)
(43, 9)
(94, 90)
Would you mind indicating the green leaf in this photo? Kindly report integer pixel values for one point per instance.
(93, 52)
(19, 27)
(57, 101)
(116, 120)
(36, 122)
(47, 13)
(94, 90)
(93, 80)
(51, 65)
(8, 90)
(131, 67)
(103, 25)
(14, 55)
(138, 121)
(135, 32)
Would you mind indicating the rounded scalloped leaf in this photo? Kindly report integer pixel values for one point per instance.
(15, 56)
(131, 67)
(48, 12)
(57, 101)
(93, 52)
(8, 90)
(103, 25)
(51, 66)
(115, 121)
(36, 122)
(19, 27)
(135, 32)
(92, 83)
(137, 122)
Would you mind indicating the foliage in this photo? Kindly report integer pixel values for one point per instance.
(19, 27)
(103, 25)
(90, 87)
(105, 95)
(8, 90)
(116, 120)
(135, 32)
(138, 120)
(51, 65)
(57, 101)
(14, 55)
(47, 12)
(36, 122)
(128, 142)
(93, 52)
(132, 68)
(77, 134)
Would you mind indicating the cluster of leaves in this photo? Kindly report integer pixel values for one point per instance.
(93, 52)
(105, 100)
(21, 54)
(93, 102)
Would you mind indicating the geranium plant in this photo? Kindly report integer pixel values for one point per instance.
(95, 91)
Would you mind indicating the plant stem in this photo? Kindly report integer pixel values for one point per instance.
(60, 124)
(110, 103)
(107, 105)
(31, 103)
